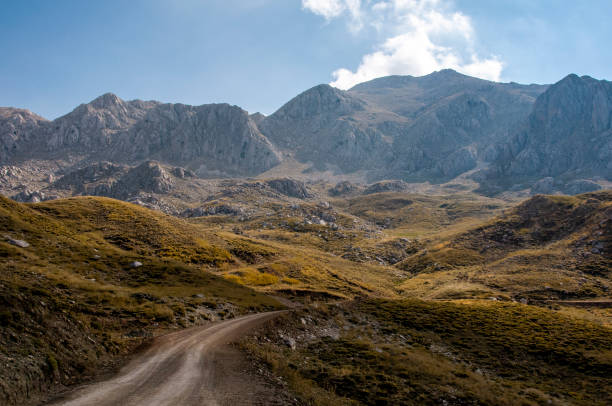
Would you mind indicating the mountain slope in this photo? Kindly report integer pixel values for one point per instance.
(214, 140)
(416, 128)
(331, 128)
(546, 248)
(85, 280)
(412, 352)
(567, 136)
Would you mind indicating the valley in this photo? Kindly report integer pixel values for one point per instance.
(97, 278)
(425, 240)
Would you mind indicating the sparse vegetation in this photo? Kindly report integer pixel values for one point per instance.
(104, 276)
(416, 352)
(73, 300)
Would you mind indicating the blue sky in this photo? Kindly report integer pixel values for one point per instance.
(260, 53)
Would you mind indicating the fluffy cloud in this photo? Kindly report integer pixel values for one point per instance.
(334, 8)
(326, 8)
(422, 36)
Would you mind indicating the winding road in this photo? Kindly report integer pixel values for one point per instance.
(189, 367)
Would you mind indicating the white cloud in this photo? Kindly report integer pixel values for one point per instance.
(422, 36)
(325, 8)
(330, 9)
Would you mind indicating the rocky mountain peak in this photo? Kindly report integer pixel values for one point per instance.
(257, 117)
(320, 100)
(17, 126)
(567, 136)
(19, 115)
(429, 128)
(445, 74)
(574, 104)
(106, 101)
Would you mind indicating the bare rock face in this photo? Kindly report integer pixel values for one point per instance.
(319, 126)
(213, 140)
(17, 127)
(95, 125)
(216, 139)
(148, 177)
(457, 162)
(290, 188)
(433, 127)
(415, 129)
(401, 127)
(568, 135)
(453, 120)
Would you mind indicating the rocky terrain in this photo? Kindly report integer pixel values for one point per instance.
(213, 140)
(428, 129)
(565, 141)
(414, 128)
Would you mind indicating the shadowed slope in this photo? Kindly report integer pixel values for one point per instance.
(86, 279)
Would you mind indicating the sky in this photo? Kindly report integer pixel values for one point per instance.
(258, 54)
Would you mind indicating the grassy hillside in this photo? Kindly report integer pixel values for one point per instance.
(99, 276)
(440, 247)
(283, 247)
(548, 247)
(342, 246)
(76, 297)
(417, 215)
(415, 352)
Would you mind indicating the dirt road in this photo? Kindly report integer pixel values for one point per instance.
(190, 367)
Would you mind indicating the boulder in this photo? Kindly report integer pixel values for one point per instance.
(30, 196)
(18, 243)
(290, 188)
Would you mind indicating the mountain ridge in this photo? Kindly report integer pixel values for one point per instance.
(568, 136)
(431, 128)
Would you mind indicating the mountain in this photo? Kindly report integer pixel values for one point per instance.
(332, 129)
(414, 128)
(213, 140)
(16, 127)
(567, 137)
(432, 129)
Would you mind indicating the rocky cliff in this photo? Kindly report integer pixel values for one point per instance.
(415, 129)
(433, 127)
(17, 127)
(214, 140)
(567, 137)
(332, 129)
